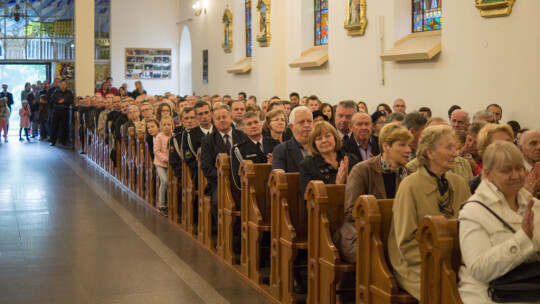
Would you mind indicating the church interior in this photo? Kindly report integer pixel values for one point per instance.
(82, 221)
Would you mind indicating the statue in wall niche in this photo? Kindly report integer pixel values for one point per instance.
(227, 21)
(356, 21)
(15, 45)
(263, 13)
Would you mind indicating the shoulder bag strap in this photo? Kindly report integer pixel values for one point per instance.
(505, 224)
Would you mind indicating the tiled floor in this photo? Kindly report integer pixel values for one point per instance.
(69, 234)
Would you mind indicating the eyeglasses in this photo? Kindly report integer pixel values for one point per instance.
(278, 119)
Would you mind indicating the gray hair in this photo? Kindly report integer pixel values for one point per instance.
(348, 104)
(292, 116)
(414, 120)
(525, 135)
(395, 116)
(483, 114)
(428, 141)
(222, 106)
(133, 107)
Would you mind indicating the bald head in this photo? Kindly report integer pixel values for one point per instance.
(529, 145)
(459, 120)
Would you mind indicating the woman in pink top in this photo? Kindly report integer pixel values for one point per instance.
(161, 159)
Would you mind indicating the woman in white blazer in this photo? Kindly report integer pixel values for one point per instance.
(488, 249)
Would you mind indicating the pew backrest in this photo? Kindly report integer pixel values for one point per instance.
(441, 258)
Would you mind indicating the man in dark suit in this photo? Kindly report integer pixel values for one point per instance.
(362, 144)
(62, 99)
(221, 141)
(176, 144)
(254, 147)
(191, 138)
(289, 155)
(177, 147)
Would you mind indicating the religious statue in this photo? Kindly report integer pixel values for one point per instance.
(227, 31)
(263, 13)
(356, 21)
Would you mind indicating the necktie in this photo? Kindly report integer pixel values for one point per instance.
(345, 138)
(259, 146)
(227, 144)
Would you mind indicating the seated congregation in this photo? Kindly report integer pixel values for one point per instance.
(312, 202)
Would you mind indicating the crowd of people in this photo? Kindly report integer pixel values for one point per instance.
(428, 165)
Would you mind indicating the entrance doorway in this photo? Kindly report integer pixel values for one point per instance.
(15, 75)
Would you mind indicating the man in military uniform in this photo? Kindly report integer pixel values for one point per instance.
(179, 147)
(192, 139)
(220, 141)
(254, 147)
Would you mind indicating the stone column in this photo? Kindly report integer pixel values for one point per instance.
(84, 47)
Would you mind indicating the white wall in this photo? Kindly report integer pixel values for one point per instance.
(483, 60)
(145, 24)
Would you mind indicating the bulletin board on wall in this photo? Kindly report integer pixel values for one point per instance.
(148, 63)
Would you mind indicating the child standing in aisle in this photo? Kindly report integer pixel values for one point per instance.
(24, 113)
(161, 160)
(4, 117)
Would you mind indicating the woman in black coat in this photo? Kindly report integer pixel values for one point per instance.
(326, 162)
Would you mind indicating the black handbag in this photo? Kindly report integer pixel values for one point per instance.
(521, 284)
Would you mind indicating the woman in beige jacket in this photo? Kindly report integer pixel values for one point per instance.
(488, 249)
(432, 190)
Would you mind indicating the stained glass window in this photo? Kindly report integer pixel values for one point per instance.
(44, 30)
(321, 22)
(427, 15)
(248, 28)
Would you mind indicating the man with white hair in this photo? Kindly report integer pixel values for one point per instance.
(529, 145)
(400, 106)
(484, 115)
(460, 120)
(289, 155)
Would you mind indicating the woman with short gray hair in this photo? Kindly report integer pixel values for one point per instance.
(432, 190)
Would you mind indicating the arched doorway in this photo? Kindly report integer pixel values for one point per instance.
(185, 63)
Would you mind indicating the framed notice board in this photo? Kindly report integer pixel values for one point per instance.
(148, 63)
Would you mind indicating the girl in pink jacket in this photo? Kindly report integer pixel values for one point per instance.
(161, 160)
(24, 113)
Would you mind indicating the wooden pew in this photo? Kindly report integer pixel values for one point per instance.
(150, 180)
(289, 232)
(375, 282)
(205, 211)
(174, 192)
(132, 175)
(325, 205)
(139, 167)
(189, 199)
(124, 148)
(78, 145)
(441, 259)
(228, 214)
(256, 215)
(110, 146)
